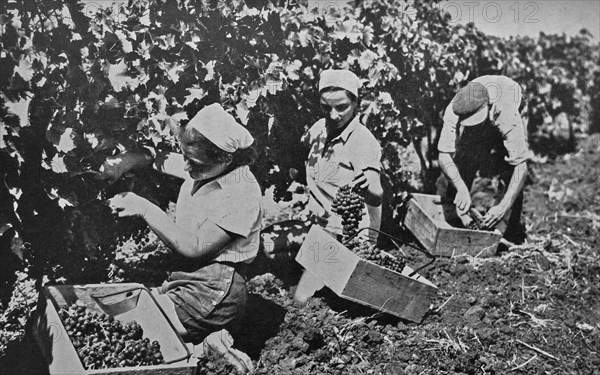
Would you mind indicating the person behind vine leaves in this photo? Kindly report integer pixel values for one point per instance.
(485, 134)
(217, 220)
(342, 151)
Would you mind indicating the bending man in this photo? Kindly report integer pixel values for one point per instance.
(485, 134)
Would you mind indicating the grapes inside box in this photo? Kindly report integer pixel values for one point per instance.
(102, 341)
(107, 329)
(365, 275)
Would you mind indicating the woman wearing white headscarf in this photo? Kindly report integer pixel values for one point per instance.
(342, 151)
(218, 217)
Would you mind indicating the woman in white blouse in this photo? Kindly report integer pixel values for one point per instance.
(217, 223)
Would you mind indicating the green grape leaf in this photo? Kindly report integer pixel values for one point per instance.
(194, 93)
(61, 137)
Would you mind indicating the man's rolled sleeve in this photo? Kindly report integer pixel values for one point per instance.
(447, 141)
(514, 134)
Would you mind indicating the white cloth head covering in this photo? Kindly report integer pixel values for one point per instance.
(343, 79)
(220, 128)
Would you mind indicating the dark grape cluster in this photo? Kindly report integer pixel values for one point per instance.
(475, 224)
(372, 254)
(103, 228)
(104, 342)
(139, 235)
(127, 228)
(349, 205)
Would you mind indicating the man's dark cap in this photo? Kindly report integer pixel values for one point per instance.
(470, 103)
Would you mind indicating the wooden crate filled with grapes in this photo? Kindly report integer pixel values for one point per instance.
(107, 329)
(437, 227)
(358, 271)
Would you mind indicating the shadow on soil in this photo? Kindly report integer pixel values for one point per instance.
(23, 358)
(262, 322)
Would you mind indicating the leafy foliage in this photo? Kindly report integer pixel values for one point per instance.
(77, 86)
(127, 77)
(558, 74)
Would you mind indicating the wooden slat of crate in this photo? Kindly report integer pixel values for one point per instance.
(386, 291)
(171, 369)
(426, 217)
(322, 255)
(58, 350)
(53, 340)
(401, 294)
(456, 241)
(421, 226)
(65, 295)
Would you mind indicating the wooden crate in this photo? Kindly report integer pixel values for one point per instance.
(126, 302)
(428, 219)
(406, 295)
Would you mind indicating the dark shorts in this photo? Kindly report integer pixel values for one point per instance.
(207, 300)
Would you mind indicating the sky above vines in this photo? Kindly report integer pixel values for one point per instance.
(502, 18)
(507, 18)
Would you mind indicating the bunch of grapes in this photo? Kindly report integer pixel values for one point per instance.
(476, 219)
(474, 224)
(349, 205)
(93, 226)
(372, 254)
(102, 341)
(125, 228)
(139, 233)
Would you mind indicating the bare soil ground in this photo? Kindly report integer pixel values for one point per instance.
(533, 309)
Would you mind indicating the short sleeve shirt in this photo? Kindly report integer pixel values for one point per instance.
(233, 202)
(505, 99)
(333, 165)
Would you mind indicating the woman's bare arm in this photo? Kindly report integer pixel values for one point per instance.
(204, 244)
(115, 166)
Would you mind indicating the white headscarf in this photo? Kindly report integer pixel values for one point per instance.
(343, 79)
(220, 128)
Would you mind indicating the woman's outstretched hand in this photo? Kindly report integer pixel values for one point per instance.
(129, 204)
(115, 166)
